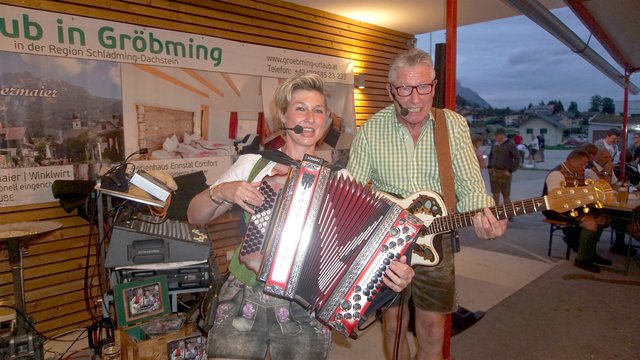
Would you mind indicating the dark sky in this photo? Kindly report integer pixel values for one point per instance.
(513, 62)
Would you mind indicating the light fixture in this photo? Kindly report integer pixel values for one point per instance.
(358, 81)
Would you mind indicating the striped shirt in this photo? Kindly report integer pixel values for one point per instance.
(384, 153)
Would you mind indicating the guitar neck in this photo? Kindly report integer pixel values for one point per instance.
(447, 223)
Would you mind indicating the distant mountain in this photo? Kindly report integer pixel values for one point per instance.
(45, 115)
(471, 96)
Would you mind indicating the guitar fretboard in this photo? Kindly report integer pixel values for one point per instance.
(459, 220)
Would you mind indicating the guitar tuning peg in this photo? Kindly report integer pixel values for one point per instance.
(585, 209)
(573, 213)
(599, 205)
(588, 182)
(563, 184)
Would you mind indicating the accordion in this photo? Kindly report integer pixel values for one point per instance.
(324, 241)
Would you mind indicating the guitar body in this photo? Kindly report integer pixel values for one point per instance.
(426, 206)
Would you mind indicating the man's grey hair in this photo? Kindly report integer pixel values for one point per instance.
(410, 57)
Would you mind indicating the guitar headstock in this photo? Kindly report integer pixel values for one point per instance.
(569, 198)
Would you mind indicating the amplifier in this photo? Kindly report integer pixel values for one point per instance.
(188, 277)
(145, 240)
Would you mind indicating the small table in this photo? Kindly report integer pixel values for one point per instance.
(624, 212)
(16, 235)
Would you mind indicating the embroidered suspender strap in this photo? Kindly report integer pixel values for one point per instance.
(441, 140)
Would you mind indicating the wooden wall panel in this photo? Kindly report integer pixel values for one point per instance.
(58, 301)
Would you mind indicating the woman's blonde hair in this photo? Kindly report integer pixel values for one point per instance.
(306, 81)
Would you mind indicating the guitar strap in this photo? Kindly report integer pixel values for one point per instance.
(441, 140)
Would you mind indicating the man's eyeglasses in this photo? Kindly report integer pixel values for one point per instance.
(422, 89)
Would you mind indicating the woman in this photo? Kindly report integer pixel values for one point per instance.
(248, 323)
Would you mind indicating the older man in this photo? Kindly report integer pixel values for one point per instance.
(395, 150)
(573, 170)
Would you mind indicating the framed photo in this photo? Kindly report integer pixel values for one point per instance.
(193, 347)
(141, 300)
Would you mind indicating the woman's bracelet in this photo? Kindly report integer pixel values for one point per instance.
(214, 199)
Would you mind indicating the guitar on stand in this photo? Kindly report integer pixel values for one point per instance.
(429, 207)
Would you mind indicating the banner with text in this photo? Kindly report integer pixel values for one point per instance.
(78, 96)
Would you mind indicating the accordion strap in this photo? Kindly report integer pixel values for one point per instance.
(441, 140)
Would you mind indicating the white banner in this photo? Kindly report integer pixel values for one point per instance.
(45, 33)
(79, 95)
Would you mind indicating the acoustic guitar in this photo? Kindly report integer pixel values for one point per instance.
(428, 206)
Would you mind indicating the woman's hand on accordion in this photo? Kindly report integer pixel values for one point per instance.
(398, 275)
(246, 195)
(487, 226)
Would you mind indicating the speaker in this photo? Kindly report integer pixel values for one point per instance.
(75, 194)
(439, 61)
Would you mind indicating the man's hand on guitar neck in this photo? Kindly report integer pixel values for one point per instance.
(487, 226)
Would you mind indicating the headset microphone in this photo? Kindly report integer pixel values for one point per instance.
(296, 129)
(403, 111)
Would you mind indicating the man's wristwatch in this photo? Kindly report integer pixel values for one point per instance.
(216, 200)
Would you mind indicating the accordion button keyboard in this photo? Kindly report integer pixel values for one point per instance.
(394, 232)
(346, 305)
(392, 245)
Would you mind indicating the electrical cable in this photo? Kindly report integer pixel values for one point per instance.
(73, 343)
(586, 45)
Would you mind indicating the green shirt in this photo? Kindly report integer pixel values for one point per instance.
(384, 153)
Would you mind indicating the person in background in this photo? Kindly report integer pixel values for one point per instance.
(591, 150)
(590, 224)
(541, 147)
(517, 139)
(477, 140)
(248, 323)
(634, 149)
(610, 142)
(523, 152)
(395, 150)
(504, 160)
(602, 167)
(533, 147)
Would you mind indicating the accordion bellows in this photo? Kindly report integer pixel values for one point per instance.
(325, 241)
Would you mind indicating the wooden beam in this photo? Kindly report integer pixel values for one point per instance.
(203, 81)
(168, 78)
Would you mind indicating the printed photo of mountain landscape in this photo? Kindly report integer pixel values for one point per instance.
(59, 111)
